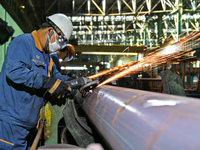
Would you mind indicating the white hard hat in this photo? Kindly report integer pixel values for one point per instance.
(63, 23)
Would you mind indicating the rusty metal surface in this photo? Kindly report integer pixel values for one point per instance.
(132, 119)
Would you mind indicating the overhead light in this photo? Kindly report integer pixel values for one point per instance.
(198, 64)
(97, 67)
(73, 68)
(108, 66)
(22, 6)
(108, 53)
(120, 62)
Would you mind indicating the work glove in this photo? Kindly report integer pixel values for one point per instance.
(56, 87)
(82, 86)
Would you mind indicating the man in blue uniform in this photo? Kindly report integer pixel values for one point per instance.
(65, 55)
(28, 75)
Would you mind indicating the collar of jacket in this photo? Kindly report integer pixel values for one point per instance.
(37, 41)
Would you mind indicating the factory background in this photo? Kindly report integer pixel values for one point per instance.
(143, 37)
(110, 33)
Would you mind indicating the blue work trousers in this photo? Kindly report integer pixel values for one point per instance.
(14, 137)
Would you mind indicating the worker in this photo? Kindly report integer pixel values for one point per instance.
(63, 55)
(27, 76)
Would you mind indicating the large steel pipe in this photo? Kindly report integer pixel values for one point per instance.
(132, 119)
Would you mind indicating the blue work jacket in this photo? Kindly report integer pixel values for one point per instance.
(21, 80)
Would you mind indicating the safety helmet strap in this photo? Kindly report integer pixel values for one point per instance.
(48, 40)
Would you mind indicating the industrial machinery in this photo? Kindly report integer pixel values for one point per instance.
(125, 119)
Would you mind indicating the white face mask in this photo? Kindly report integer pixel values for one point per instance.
(55, 45)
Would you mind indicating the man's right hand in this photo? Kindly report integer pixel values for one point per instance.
(56, 87)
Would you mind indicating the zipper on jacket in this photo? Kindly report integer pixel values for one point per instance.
(44, 54)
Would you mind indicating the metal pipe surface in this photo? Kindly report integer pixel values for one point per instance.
(131, 119)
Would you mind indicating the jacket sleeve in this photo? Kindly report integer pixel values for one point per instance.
(18, 64)
(58, 75)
